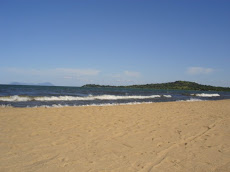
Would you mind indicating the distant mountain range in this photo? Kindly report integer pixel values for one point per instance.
(38, 84)
(177, 85)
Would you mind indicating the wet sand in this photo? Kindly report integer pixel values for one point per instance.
(172, 136)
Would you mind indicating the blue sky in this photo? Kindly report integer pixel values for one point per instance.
(116, 42)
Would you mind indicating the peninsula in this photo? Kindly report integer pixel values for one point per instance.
(177, 85)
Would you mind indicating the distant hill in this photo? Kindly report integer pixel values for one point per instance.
(39, 84)
(177, 85)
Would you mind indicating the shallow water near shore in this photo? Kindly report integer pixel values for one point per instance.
(56, 96)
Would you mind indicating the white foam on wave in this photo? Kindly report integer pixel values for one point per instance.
(75, 98)
(194, 100)
(206, 95)
(4, 106)
(190, 100)
(102, 97)
(103, 104)
(15, 99)
(167, 96)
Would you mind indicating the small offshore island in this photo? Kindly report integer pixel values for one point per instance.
(177, 85)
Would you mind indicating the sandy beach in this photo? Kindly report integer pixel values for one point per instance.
(172, 136)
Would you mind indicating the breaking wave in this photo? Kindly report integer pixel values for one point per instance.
(17, 98)
(194, 100)
(205, 95)
(190, 100)
(103, 104)
(4, 106)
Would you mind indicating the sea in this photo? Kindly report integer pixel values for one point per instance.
(57, 96)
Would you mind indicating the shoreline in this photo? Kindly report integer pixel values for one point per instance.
(162, 136)
(108, 104)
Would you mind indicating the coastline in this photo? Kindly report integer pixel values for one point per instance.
(163, 136)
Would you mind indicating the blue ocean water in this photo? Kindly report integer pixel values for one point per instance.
(55, 96)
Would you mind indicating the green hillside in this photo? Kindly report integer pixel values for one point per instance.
(177, 85)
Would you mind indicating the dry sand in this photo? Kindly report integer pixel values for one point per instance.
(173, 136)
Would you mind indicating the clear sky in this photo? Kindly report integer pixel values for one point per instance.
(116, 42)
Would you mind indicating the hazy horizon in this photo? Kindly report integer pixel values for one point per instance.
(51, 84)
